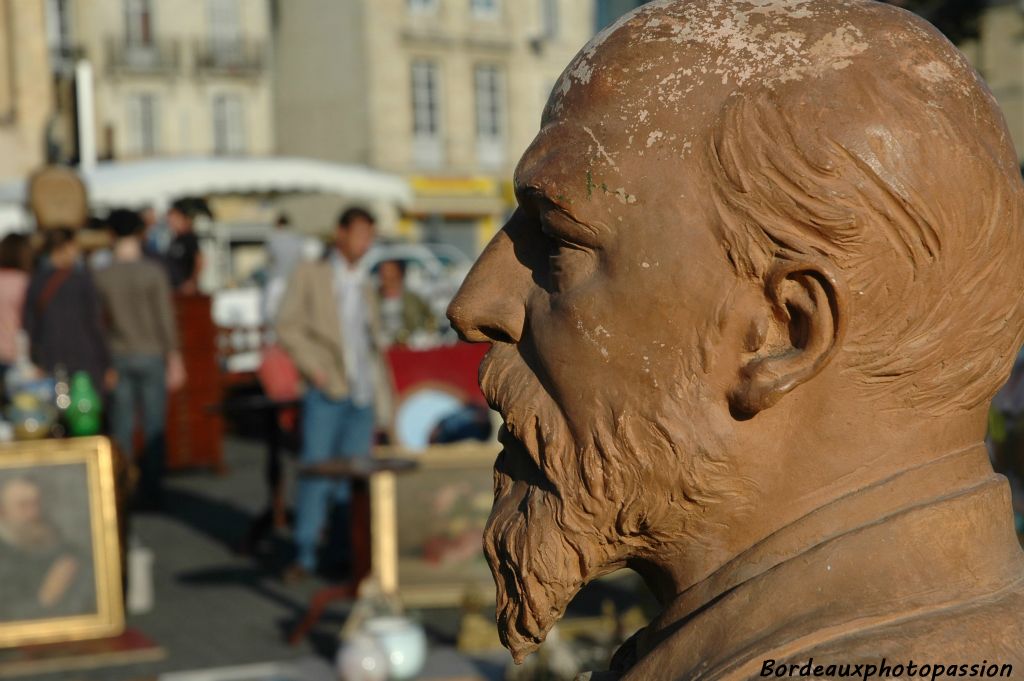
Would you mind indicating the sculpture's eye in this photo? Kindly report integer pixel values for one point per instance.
(572, 250)
(569, 264)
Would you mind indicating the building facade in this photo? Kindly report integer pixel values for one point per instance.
(998, 54)
(26, 100)
(447, 93)
(610, 10)
(171, 77)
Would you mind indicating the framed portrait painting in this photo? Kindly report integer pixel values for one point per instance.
(60, 567)
(428, 525)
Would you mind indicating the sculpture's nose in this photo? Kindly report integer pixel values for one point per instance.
(491, 303)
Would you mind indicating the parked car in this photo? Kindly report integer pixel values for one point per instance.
(457, 262)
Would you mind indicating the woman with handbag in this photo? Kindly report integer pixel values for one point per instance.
(62, 313)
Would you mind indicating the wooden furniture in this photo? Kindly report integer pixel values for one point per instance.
(195, 435)
(359, 471)
(130, 647)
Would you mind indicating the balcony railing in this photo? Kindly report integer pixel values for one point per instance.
(231, 57)
(155, 57)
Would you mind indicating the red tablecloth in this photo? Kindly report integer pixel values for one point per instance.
(453, 365)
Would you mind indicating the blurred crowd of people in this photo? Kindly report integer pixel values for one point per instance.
(403, 315)
(105, 321)
(335, 323)
(107, 318)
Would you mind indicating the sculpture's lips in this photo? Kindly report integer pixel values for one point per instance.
(489, 366)
(517, 462)
(506, 438)
(512, 390)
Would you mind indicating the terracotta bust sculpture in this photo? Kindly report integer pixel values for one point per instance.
(766, 273)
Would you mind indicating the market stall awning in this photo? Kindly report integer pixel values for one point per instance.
(158, 182)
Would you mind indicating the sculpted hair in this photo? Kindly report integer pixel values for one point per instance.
(912, 191)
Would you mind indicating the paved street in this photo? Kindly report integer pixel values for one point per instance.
(214, 607)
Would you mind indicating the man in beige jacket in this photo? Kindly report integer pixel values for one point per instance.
(325, 323)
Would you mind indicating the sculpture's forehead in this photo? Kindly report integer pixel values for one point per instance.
(676, 61)
(639, 101)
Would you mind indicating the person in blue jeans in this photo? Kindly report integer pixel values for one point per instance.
(135, 297)
(327, 324)
(330, 428)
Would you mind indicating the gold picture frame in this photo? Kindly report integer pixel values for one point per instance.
(80, 589)
(427, 524)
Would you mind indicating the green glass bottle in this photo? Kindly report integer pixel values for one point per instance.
(84, 412)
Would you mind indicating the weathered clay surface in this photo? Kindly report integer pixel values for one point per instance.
(766, 274)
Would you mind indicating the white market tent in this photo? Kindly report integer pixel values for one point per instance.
(158, 182)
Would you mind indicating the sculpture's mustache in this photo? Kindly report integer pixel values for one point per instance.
(530, 416)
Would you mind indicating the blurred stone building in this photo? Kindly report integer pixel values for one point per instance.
(447, 93)
(26, 99)
(998, 54)
(172, 77)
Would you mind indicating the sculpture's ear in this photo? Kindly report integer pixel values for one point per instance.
(808, 305)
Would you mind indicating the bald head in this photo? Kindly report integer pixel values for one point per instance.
(684, 58)
(849, 130)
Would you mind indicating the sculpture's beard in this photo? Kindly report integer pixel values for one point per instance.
(567, 511)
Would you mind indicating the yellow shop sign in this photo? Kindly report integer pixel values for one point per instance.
(454, 186)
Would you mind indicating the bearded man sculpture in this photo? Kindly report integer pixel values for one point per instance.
(766, 273)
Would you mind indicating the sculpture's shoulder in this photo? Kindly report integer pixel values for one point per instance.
(989, 629)
(979, 632)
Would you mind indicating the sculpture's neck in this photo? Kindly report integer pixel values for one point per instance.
(786, 565)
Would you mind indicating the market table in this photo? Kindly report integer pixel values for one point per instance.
(360, 471)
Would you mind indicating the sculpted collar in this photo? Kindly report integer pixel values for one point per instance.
(862, 561)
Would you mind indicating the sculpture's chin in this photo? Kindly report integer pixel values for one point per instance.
(538, 568)
(521, 648)
(524, 620)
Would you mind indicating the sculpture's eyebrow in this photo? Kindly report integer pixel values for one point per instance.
(558, 222)
(546, 207)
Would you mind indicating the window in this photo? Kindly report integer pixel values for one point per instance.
(143, 125)
(489, 86)
(228, 125)
(425, 102)
(422, 6)
(549, 18)
(138, 23)
(484, 9)
(225, 32)
(426, 114)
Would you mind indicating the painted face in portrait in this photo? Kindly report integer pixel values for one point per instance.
(22, 521)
